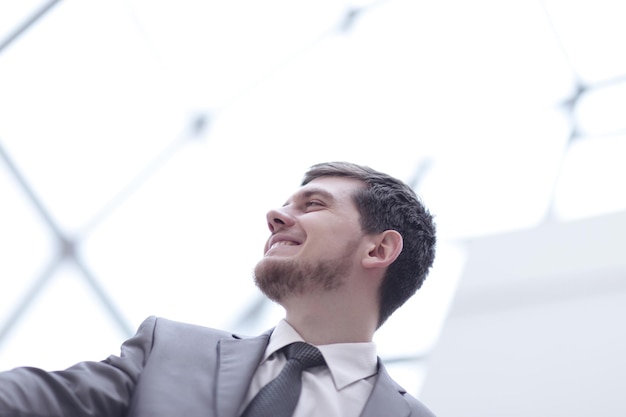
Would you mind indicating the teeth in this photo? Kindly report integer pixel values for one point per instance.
(283, 243)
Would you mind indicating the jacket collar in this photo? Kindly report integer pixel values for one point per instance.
(238, 360)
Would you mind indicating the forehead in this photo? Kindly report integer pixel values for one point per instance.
(334, 188)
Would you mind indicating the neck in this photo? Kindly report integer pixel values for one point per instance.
(328, 318)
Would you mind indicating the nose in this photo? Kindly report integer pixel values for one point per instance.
(278, 219)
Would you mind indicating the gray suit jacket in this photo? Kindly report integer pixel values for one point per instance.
(167, 369)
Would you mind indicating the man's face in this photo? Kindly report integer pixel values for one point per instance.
(313, 241)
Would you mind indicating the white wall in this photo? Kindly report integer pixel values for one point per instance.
(537, 327)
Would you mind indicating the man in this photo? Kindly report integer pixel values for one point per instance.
(345, 251)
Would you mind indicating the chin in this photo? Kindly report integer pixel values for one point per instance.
(272, 276)
(278, 277)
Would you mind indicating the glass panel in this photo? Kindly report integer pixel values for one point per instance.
(592, 179)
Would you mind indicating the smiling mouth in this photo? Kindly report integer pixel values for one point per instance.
(283, 243)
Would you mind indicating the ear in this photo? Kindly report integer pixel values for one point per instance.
(385, 248)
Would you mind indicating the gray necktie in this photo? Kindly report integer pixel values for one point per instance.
(279, 397)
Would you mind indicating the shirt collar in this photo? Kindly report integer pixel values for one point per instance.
(347, 362)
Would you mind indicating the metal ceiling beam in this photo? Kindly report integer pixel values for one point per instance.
(27, 24)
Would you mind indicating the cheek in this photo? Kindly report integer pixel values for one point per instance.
(345, 230)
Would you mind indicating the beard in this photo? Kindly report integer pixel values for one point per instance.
(279, 277)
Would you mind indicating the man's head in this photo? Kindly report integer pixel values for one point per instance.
(329, 227)
(386, 203)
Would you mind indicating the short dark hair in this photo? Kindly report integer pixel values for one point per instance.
(386, 203)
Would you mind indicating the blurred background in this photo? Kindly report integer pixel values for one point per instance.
(142, 142)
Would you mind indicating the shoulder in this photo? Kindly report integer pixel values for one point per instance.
(162, 337)
(165, 330)
(162, 330)
(417, 408)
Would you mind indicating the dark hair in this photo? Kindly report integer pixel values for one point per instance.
(386, 203)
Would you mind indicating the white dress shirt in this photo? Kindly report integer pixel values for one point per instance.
(341, 389)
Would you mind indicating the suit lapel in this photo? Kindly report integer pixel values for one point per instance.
(238, 360)
(386, 397)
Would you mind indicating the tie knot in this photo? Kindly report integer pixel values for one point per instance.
(308, 355)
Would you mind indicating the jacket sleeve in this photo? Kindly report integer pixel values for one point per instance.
(87, 389)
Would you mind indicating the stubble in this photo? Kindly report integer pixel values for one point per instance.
(280, 277)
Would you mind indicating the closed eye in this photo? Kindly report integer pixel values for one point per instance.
(314, 203)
